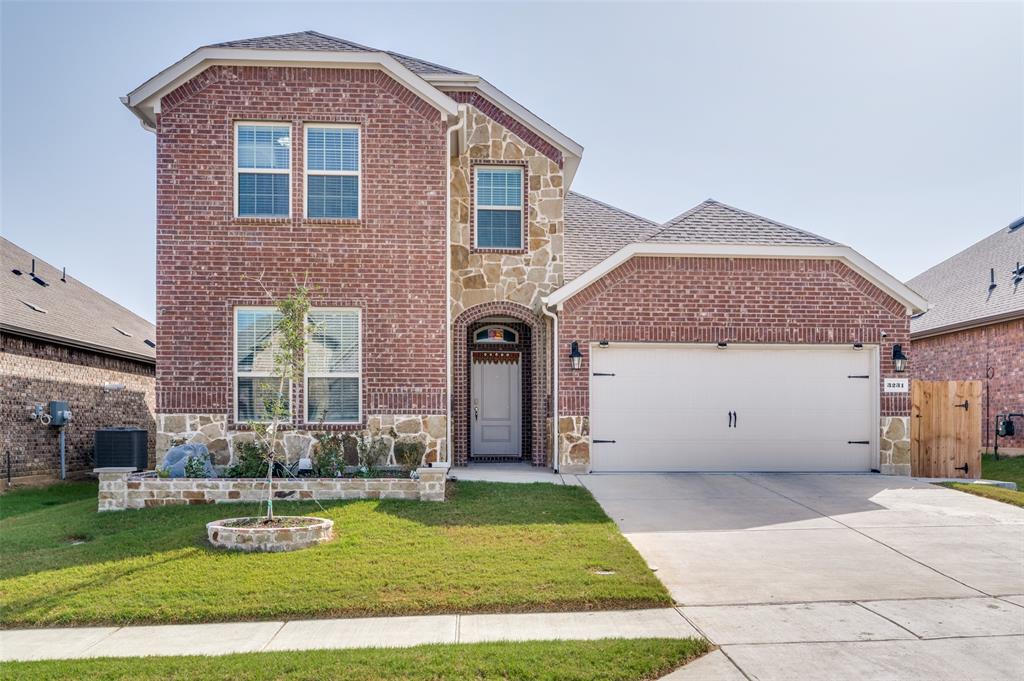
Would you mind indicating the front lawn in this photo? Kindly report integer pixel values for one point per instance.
(492, 548)
(1006, 469)
(606, 660)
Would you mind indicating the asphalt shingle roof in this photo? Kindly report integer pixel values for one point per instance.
(714, 222)
(958, 288)
(66, 311)
(311, 40)
(594, 230)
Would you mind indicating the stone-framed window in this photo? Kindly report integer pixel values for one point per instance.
(498, 204)
(263, 169)
(333, 377)
(332, 177)
(256, 344)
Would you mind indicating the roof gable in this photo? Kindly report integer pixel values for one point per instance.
(958, 288)
(715, 222)
(67, 312)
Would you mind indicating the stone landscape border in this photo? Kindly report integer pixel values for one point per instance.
(123, 488)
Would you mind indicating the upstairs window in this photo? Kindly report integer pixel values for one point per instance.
(257, 341)
(332, 171)
(499, 207)
(263, 164)
(333, 366)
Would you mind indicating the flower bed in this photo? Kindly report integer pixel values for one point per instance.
(122, 488)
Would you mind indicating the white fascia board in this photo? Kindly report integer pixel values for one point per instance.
(144, 101)
(857, 262)
(572, 150)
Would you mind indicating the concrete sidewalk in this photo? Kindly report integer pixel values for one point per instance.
(369, 632)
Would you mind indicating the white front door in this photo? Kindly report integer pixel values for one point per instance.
(744, 408)
(495, 408)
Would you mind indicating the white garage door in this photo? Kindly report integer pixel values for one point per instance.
(743, 408)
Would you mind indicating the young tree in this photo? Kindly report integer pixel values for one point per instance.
(289, 338)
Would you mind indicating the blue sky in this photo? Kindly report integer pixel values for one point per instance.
(895, 128)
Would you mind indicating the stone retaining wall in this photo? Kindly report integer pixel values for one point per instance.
(122, 489)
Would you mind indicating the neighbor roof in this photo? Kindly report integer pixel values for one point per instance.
(67, 312)
(959, 288)
(311, 40)
(714, 222)
(594, 230)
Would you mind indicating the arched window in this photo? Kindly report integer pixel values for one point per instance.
(495, 335)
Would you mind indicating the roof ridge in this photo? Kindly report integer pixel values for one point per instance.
(615, 208)
(682, 217)
(963, 251)
(679, 218)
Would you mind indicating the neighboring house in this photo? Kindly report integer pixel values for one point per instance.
(975, 327)
(455, 273)
(61, 340)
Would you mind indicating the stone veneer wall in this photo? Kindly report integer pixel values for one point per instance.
(214, 431)
(121, 489)
(894, 445)
(574, 444)
(490, 275)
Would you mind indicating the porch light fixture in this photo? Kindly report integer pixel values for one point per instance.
(899, 360)
(722, 345)
(575, 356)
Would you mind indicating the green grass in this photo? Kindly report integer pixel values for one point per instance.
(604, 660)
(28, 499)
(491, 548)
(1006, 469)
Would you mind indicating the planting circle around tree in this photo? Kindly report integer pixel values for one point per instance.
(283, 533)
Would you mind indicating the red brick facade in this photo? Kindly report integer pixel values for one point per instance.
(993, 354)
(390, 263)
(35, 372)
(739, 300)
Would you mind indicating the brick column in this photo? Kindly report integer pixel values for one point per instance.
(113, 495)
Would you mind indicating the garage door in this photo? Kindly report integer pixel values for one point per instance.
(743, 408)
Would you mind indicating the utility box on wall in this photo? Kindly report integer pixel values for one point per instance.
(60, 413)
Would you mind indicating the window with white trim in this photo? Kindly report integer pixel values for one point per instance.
(332, 171)
(257, 341)
(333, 366)
(499, 207)
(263, 169)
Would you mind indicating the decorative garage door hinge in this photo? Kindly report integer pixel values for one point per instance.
(597, 442)
(858, 442)
(598, 373)
(859, 376)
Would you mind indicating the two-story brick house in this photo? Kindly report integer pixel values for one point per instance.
(462, 290)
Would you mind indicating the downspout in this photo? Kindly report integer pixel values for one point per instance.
(448, 282)
(554, 382)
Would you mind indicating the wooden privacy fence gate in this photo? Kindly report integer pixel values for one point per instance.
(945, 429)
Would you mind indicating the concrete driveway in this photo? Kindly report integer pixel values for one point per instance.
(814, 576)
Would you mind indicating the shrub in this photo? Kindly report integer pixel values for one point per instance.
(250, 461)
(409, 453)
(196, 466)
(329, 456)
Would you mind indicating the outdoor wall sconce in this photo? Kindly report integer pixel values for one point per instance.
(722, 345)
(899, 360)
(575, 356)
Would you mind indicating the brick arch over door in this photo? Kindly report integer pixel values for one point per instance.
(461, 371)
